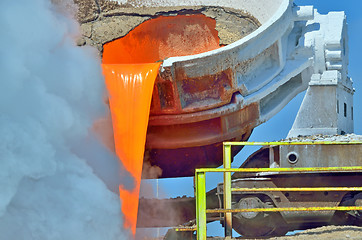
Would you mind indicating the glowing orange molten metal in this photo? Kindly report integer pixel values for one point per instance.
(130, 91)
(130, 73)
(163, 37)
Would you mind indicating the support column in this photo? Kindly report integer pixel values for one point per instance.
(227, 191)
(200, 206)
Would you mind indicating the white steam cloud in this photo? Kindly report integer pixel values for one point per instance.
(50, 95)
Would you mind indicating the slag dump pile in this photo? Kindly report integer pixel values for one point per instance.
(130, 66)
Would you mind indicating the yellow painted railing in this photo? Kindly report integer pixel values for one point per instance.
(200, 182)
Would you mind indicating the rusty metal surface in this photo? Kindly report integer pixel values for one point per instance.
(183, 161)
(321, 155)
(214, 126)
(297, 199)
(204, 92)
(193, 109)
(183, 89)
(180, 148)
(235, 105)
(299, 209)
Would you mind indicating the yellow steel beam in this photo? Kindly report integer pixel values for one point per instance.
(185, 229)
(289, 143)
(304, 169)
(227, 192)
(201, 205)
(284, 209)
(301, 189)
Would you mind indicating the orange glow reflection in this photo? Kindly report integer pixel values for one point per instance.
(163, 37)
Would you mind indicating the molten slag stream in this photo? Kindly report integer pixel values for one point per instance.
(130, 72)
(130, 91)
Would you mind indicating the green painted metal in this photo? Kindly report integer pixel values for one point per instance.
(227, 191)
(351, 208)
(303, 189)
(201, 206)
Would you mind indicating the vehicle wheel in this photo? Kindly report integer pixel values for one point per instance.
(258, 224)
(350, 217)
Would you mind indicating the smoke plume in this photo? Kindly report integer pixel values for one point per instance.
(51, 165)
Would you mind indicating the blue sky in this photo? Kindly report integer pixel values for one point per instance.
(278, 127)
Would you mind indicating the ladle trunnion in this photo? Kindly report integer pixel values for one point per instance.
(201, 100)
